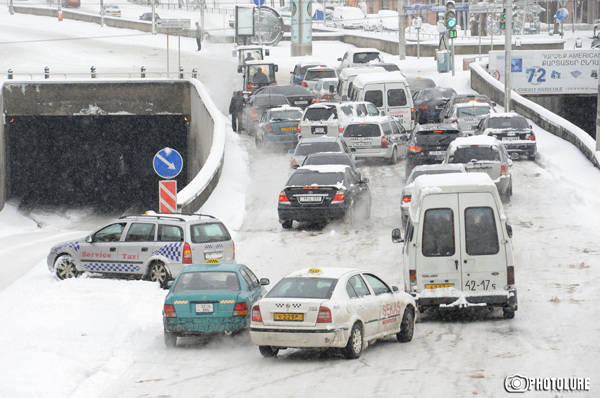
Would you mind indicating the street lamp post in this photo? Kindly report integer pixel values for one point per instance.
(508, 56)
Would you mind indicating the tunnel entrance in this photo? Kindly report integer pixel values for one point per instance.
(100, 160)
(581, 111)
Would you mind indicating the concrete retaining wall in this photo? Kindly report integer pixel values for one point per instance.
(483, 83)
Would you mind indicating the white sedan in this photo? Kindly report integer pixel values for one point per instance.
(331, 308)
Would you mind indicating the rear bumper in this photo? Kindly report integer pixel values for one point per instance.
(504, 299)
(311, 213)
(384, 153)
(281, 138)
(200, 325)
(300, 338)
(520, 147)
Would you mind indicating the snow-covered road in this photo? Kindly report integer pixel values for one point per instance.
(96, 337)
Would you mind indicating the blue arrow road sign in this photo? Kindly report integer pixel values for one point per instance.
(259, 2)
(167, 163)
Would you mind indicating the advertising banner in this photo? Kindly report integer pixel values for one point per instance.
(549, 71)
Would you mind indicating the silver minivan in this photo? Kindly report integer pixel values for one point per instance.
(376, 137)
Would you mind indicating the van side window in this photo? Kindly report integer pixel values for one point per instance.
(481, 236)
(375, 97)
(438, 233)
(396, 97)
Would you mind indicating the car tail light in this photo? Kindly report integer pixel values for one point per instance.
(412, 274)
(454, 121)
(256, 317)
(338, 198)
(503, 170)
(384, 142)
(510, 275)
(414, 148)
(412, 113)
(254, 113)
(324, 315)
(406, 198)
(423, 107)
(249, 87)
(304, 84)
(283, 198)
(341, 129)
(294, 164)
(314, 101)
(187, 254)
(240, 309)
(272, 84)
(530, 137)
(169, 311)
(268, 129)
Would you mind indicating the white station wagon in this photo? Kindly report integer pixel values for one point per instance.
(331, 308)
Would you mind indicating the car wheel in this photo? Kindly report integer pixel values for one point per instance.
(267, 351)
(170, 339)
(508, 313)
(287, 224)
(260, 144)
(65, 267)
(531, 156)
(159, 273)
(407, 327)
(355, 343)
(394, 157)
(349, 216)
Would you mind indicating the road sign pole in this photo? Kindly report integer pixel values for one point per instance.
(401, 45)
(508, 56)
(418, 44)
(479, 31)
(167, 196)
(167, 55)
(452, 56)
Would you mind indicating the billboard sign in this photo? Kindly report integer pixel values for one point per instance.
(549, 72)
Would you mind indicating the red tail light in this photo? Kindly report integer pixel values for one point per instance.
(294, 164)
(511, 274)
(423, 107)
(249, 87)
(414, 148)
(283, 198)
(338, 198)
(169, 311)
(341, 129)
(240, 309)
(530, 137)
(324, 315)
(504, 170)
(187, 254)
(256, 317)
(268, 129)
(314, 100)
(299, 129)
(412, 113)
(304, 84)
(454, 121)
(254, 113)
(384, 142)
(406, 198)
(412, 274)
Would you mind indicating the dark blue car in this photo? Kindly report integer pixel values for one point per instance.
(429, 103)
(297, 75)
(278, 126)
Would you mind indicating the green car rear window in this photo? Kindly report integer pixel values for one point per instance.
(210, 232)
(207, 281)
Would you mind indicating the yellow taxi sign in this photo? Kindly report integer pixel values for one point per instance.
(314, 271)
(212, 261)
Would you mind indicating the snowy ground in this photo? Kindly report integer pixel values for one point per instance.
(94, 337)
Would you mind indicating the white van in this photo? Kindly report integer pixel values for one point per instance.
(347, 76)
(348, 17)
(457, 247)
(389, 92)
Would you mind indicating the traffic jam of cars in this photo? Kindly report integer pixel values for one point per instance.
(458, 154)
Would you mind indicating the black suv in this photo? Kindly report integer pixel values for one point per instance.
(428, 144)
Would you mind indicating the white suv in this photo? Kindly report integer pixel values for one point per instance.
(154, 247)
(330, 118)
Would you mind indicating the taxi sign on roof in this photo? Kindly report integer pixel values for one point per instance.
(314, 271)
(212, 261)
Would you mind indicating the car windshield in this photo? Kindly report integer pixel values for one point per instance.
(286, 115)
(320, 114)
(206, 281)
(416, 174)
(467, 154)
(333, 159)
(508, 122)
(311, 288)
(270, 100)
(262, 74)
(213, 232)
(363, 58)
(306, 149)
(437, 93)
(431, 137)
(251, 55)
(362, 130)
(473, 111)
(304, 178)
(319, 74)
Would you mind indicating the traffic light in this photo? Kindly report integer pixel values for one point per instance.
(452, 34)
(503, 19)
(450, 16)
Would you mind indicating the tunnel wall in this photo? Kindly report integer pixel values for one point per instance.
(483, 83)
(136, 97)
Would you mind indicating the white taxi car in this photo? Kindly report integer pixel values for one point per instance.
(331, 308)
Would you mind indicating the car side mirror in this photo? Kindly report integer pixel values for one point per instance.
(381, 113)
(493, 104)
(395, 289)
(339, 59)
(276, 68)
(509, 230)
(292, 72)
(264, 281)
(352, 149)
(170, 283)
(364, 181)
(344, 97)
(530, 126)
(239, 68)
(397, 236)
(267, 53)
(88, 239)
(291, 151)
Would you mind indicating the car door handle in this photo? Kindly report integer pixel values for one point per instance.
(456, 263)
(113, 249)
(144, 249)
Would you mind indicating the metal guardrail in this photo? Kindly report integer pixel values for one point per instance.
(99, 75)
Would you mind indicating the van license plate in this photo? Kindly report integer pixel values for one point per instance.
(319, 130)
(288, 317)
(361, 144)
(204, 308)
(439, 286)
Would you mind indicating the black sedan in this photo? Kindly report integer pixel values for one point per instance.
(257, 105)
(296, 95)
(429, 103)
(322, 193)
(428, 144)
(513, 130)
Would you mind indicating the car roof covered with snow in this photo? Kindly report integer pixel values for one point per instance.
(333, 273)
(361, 80)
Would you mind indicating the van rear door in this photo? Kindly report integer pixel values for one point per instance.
(399, 104)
